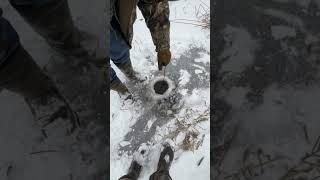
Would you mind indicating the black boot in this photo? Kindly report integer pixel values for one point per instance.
(166, 158)
(54, 23)
(20, 74)
(134, 172)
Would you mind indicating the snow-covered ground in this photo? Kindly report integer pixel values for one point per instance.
(267, 91)
(182, 119)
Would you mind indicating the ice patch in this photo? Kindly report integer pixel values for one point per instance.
(183, 92)
(205, 59)
(124, 143)
(237, 96)
(184, 77)
(197, 71)
(149, 124)
(280, 32)
(240, 51)
(292, 19)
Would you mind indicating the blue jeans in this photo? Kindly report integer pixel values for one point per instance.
(9, 39)
(119, 50)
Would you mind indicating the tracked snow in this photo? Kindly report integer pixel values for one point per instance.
(183, 117)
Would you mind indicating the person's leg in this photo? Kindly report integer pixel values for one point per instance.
(119, 49)
(52, 20)
(20, 74)
(113, 74)
(9, 39)
(117, 85)
(120, 54)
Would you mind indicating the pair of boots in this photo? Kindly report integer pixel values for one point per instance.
(23, 76)
(162, 173)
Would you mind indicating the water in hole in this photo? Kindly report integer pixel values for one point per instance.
(161, 87)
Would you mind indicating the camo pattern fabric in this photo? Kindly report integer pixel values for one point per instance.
(156, 14)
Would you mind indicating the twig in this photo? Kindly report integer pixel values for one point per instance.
(292, 172)
(316, 146)
(249, 168)
(187, 20)
(205, 4)
(44, 151)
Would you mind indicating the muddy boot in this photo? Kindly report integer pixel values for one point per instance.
(165, 160)
(118, 86)
(54, 23)
(127, 69)
(20, 74)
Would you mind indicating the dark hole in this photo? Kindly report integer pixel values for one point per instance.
(142, 152)
(161, 87)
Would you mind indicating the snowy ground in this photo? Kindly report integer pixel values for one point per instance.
(266, 105)
(183, 117)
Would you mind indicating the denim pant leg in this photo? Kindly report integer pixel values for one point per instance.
(119, 50)
(9, 39)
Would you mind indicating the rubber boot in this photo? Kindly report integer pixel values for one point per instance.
(20, 74)
(118, 86)
(127, 69)
(165, 160)
(54, 23)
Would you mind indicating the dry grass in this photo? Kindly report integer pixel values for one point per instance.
(202, 13)
(309, 165)
(307, 169)
(189, 126)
